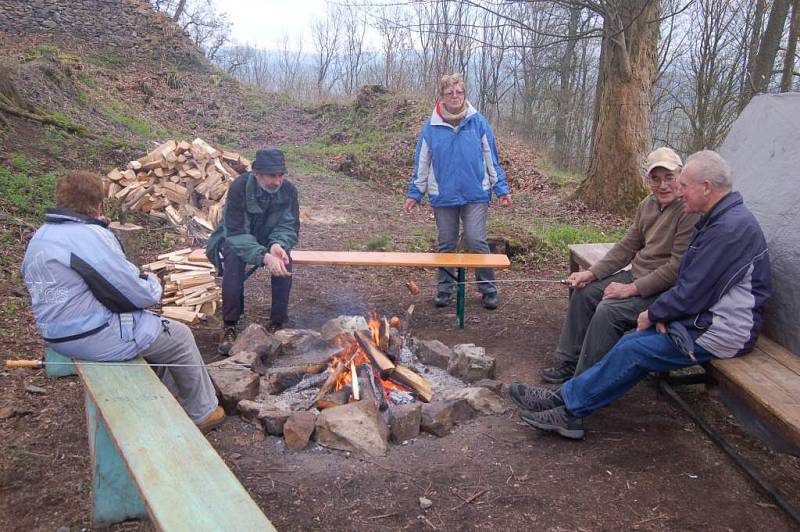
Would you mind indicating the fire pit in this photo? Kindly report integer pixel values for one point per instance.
(356, 384)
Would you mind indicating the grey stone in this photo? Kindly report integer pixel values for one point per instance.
(356, 427)
(404, 421)
(470, 363)
(495, 386)
(254, 338)
(481, 400)
(425, 503)
(343, 324)
(30, 388)
(295, 341)
(233, 385)
(440, 417)
(434, 353)
(297, 430)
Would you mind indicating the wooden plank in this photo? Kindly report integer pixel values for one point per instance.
(583, 256)
(779, 353)
(172, 464)
(420, 260)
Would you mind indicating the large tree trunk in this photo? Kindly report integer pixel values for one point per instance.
(565, 91)
(621, 134)
(764, 63)
(791, 48)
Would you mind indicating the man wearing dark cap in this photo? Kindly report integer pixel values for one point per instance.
(260, 225)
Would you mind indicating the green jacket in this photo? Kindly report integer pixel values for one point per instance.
(254, 219)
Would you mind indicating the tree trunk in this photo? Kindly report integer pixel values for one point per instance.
(565, 93)
(621, 137)
(791, 48)
(767, 51)
(179, 10)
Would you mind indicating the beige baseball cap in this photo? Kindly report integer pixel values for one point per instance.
(665, 158)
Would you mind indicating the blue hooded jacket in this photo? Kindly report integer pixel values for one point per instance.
(723, 281)
(457, 165)
(86, 297)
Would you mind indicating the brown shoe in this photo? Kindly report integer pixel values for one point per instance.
(227, 339)
(212, 421)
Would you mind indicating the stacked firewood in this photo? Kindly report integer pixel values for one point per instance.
(190, 293)
(181, 182)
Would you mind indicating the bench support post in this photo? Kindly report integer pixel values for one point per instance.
(114, 496)
(62, 368)
(460, 296)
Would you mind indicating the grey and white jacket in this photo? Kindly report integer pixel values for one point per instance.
(87, 299)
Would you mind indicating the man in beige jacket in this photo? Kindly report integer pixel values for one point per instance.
(607, 301)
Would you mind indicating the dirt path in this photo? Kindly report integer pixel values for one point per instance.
(643, 466)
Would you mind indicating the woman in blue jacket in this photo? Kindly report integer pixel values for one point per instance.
(456, 164)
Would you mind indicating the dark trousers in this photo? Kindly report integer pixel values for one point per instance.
(233, 276)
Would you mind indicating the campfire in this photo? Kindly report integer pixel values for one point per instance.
(369, 368)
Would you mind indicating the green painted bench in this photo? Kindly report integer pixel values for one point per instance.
(149, 459)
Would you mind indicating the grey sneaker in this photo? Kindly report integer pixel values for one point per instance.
(557, 420)
(489, 301)
(227, 339)
(559, 374)
(535, 399)
(442, 299)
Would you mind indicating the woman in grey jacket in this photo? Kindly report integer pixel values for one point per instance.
(89, 301)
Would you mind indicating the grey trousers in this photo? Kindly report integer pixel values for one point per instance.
(473, 216)
(190, 385)
(593, 325)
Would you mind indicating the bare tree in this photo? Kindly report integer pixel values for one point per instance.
(791, 48)
(325, 34)
(764, 63)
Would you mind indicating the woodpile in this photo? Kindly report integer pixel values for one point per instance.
(190, 292)
(180, 182)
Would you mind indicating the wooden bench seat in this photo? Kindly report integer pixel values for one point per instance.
(460, 261)
(150, 460)
(766, 381)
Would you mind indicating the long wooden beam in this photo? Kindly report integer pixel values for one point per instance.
(418, 260)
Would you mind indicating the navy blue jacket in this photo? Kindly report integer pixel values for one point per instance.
(723, 281)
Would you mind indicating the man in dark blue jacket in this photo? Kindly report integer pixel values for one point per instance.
(713, 311)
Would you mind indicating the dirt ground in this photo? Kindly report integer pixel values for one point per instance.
(643, 466)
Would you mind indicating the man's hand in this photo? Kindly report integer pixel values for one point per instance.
(505, 201)
(580, 279)
(276, 261)
(643, 321)
(409, 204)
(620, 291)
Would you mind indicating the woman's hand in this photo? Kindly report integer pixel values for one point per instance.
(505, 201)
(409, 204)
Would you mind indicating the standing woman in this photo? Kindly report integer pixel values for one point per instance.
(456, 164)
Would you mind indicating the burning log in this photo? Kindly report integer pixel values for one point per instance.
(354, 382)
(421, 386)
(395, 344)
(373, 389)
(329, 382)
(405, 324)
(381, 361)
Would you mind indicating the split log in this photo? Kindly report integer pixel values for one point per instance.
(419, 384)
(380, 360)
(327, 386)
(129, 236)
(354, 382)
(372, 389)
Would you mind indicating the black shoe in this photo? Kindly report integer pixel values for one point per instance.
(559, 374)
(227, 339)
(557, 420)
(535, 399)
(489, 300)
(442, 299)
(274, 327)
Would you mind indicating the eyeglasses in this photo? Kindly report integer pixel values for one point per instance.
(669, 179)
(453, 93)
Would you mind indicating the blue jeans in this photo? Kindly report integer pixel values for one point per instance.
(473, 216)
(628, 362)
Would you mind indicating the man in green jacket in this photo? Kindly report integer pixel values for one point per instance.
(260, 226)
(606, 300)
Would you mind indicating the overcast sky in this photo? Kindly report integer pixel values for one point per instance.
(264, 22)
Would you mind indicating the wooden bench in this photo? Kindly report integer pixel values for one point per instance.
(149, 459)
(460, 261)
(765, 383)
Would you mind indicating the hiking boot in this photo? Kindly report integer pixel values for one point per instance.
(274, 327)
(227, 339)
(489, 300)
(442, 299)
(557, 420)
(535, 399)
(211, 421)
(559, 374)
